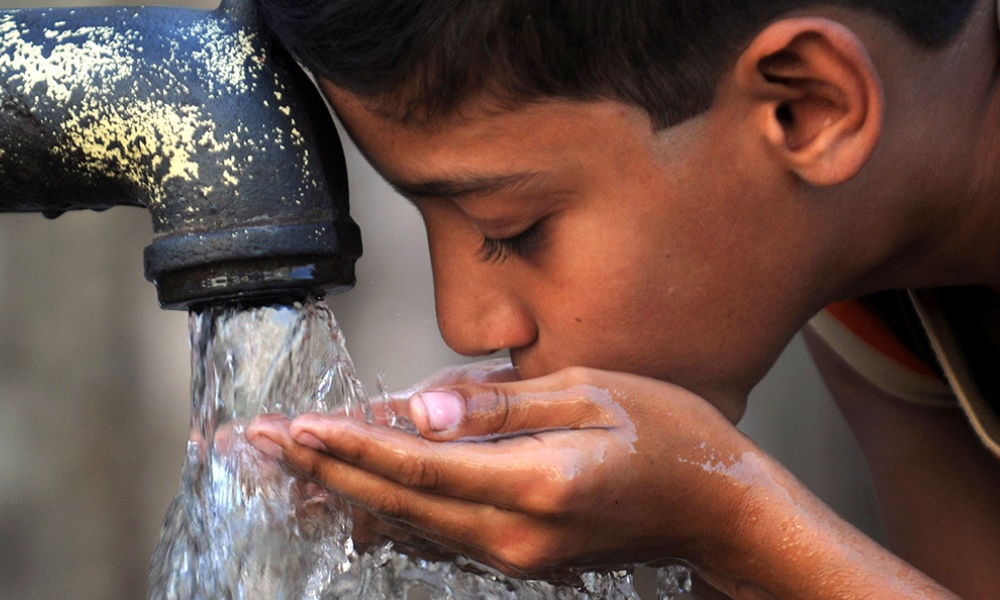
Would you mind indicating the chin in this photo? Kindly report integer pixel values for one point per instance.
(733, 408)
(729, 400)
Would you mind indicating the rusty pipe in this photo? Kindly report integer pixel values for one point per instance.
(200, 117)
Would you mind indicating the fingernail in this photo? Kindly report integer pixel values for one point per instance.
(268, 447)
(444, 410)
(307, 439)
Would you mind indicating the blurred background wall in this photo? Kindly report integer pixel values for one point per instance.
(94, 389)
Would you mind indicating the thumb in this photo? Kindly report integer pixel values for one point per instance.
(506, 409)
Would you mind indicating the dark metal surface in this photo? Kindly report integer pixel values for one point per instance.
(197, 116)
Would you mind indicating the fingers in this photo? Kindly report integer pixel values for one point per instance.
(390, 408)
(508, 540)
(488, 410)
(269, 434)
(493, 476)
(407, 515)
(314, 510)
(520, 467)
(509, 473)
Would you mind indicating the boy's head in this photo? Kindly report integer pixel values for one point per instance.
(565, 228)
(422, 58)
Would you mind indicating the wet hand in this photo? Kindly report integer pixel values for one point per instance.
(579, 469)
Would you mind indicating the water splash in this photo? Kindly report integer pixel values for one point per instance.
(241, 528)
(673, 581)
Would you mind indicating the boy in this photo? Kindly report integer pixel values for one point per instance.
(643, 200)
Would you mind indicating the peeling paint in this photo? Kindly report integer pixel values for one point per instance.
(226, 56)
(165, 108)
(76, 76)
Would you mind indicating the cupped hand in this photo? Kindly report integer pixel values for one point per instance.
(578, 469)
(391, 406)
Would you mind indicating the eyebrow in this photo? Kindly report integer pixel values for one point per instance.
(460, 188)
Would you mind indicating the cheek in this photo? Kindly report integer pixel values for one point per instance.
(597, 306)
(638, 304)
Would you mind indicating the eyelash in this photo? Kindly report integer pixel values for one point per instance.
(493, 250)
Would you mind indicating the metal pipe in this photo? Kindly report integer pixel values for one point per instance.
(202, 118)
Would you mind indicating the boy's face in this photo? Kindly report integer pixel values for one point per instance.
(572, 233)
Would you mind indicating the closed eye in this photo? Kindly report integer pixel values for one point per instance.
(498, 250)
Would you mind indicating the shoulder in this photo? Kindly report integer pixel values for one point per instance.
(881, 338)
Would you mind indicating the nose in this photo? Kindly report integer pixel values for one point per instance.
(478, 312)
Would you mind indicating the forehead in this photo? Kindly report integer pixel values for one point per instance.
(484, 135)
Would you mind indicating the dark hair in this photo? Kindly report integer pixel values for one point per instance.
(422, 58)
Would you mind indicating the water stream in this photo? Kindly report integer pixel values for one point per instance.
(241, 528)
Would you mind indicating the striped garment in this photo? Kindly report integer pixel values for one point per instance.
(936, 348)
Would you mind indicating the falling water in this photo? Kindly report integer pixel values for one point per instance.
(241, 528)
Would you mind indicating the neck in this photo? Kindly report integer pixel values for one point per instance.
(937, 168)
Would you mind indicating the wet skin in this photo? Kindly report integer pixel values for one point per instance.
(610, 258)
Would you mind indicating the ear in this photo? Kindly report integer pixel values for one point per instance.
(815, 95)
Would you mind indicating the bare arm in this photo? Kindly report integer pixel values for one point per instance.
(596, 469)
(938, 487)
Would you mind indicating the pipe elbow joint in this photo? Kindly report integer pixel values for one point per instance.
(202, 118)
